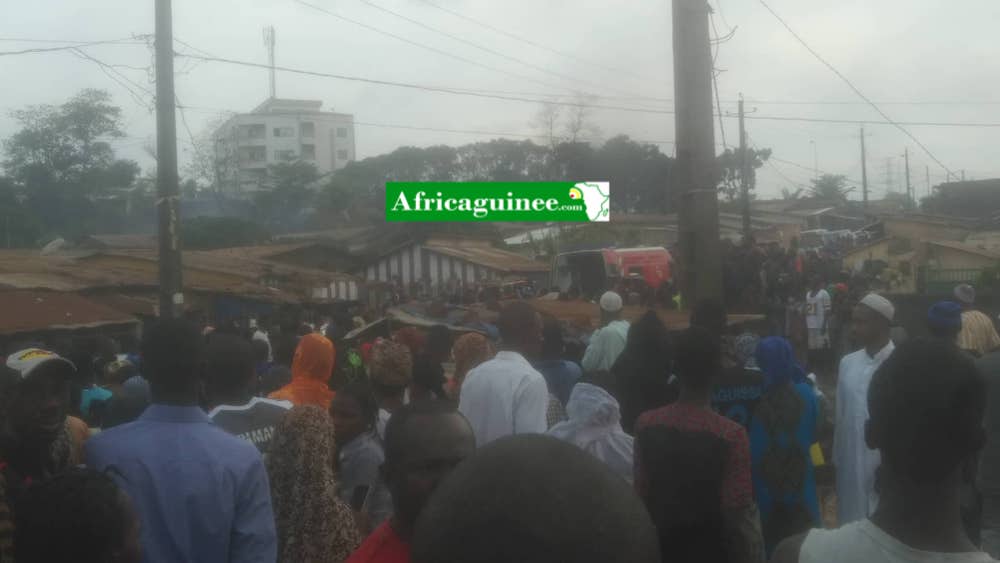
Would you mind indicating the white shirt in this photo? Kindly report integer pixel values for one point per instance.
(854, 461)
(605, 346)
(864, 541)
(504, 396)
(817, 308)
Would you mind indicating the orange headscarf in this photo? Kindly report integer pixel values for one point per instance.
(312, 368)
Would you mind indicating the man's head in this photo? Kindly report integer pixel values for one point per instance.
(871, 320)
(424, 441)
(353, 411)
(521, 329)
(944, 320)
(966, 295)
(926, 405)
(611, 307)
(80, 515)
(710, 315)
(40, 395)
(229, 369)
(172, 352)
(697, 358)
(534, 499)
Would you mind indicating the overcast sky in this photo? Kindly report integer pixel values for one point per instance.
(941, 59)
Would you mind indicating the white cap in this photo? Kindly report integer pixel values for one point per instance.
(27, 361)
(880, 305)
(611, 302)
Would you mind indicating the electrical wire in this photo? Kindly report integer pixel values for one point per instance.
(425, 47)
(852, 86)
(482, 48)
(438, 89)
(484, 94)
(125, 41)
(715, 80)
(531, 42)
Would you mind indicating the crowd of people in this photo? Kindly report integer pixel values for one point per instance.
(701, 444)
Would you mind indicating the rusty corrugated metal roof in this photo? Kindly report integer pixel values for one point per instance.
(490, 257)
(33, 311)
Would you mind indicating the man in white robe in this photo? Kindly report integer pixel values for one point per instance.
(855, 463)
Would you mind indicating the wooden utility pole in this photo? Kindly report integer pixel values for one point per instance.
(927, 171)
(167, 192)
(864, 170)
(744, 176)
(695, 180)
(909, 187)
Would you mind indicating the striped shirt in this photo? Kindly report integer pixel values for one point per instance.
(978, 334)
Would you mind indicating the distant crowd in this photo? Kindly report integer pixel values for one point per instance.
(670, 444)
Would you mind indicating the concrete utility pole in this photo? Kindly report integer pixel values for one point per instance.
(695, 179)
(744, 175)
(909, 187)
(269, 40)
(927, 171)
(167, 192)
(864, 170)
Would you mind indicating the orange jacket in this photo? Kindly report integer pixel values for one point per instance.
(312, 368)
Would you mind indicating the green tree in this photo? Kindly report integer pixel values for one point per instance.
(68, 145)
(639, 175)
(61, 161)
(287, 193)
(832, 187)
(730, 164)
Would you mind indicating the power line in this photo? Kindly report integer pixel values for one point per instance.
(494, 133)
(125, 41)
(529, 41)
(476, 45)
(425, 47)
(439, 89)
(458, 91)
(869, 122)
(852, 86)
(715, 81)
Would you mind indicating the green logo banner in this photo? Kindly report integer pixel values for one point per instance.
(568, 202)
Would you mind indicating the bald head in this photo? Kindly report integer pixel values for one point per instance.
(534, 499)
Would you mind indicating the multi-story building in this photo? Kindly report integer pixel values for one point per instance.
(280, 130)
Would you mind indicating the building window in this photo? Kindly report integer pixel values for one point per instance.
(255, 131)
(309, 152)
(308, 129)
(342, 132)
(341, 154)
(284, 155)
(253, 154)
(284, 131)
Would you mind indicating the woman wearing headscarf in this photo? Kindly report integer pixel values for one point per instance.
(312, 523)
(782, 430)
(469, 351)
(642, 372)
(594, 425)
(312, 368)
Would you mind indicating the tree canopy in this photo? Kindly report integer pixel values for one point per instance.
(831, 187)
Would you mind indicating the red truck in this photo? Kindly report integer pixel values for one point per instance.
(590, 273)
